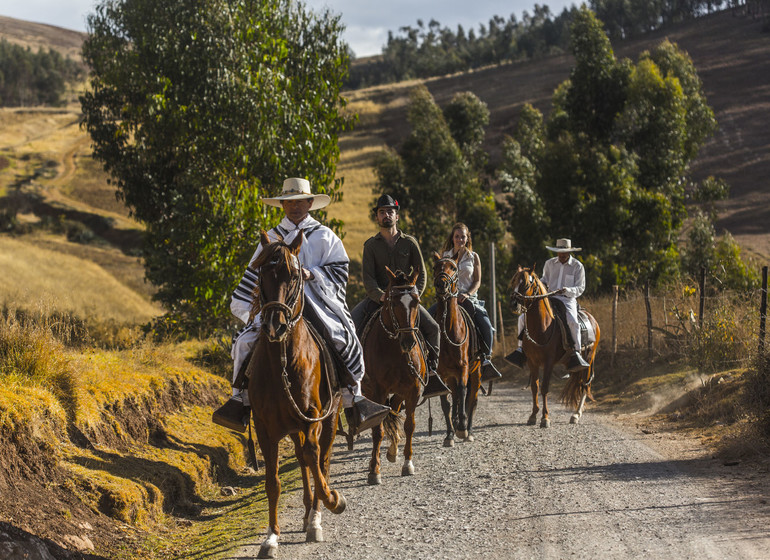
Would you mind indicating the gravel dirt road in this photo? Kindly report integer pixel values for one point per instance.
(600, 489)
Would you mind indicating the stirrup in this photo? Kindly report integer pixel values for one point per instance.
(435, 387)
(489, 372)
(365, 414)
(517, 358)
(577, 363)
(232, 415)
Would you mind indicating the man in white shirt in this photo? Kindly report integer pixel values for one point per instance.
(565, 275)
(325, 269)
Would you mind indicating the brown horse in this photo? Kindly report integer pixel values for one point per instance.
(291, 390)
(459, 369)
(395, 368)
(543, 345)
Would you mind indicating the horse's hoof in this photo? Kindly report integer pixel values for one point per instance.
(449, 441)
(392, 455)
(461, 434)
(350, 442)
(374, 479)
(532, 421)
(407, 469)
(545, 423)
(314, 534)
(304, 525)
(342, 503)
(574, 419)
(470, 438)
(268, 550)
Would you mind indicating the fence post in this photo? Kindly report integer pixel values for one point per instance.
(502, 327)
(649, 318)
(762, 312)
(614, 324)
(493, 287)
(702, 296)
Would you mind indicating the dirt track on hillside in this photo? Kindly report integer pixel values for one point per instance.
(519, 491)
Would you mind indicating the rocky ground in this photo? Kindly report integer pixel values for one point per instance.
(605, 488)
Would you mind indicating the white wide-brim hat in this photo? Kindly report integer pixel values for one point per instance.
(563, 245)
(298, 189)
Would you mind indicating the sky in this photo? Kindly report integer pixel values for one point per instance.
(367, 22)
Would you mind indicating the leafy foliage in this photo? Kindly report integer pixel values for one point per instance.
(199, 109)
(436, 175)
(29, 78)
(610, 166)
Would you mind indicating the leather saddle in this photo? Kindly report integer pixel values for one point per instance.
(587, 332)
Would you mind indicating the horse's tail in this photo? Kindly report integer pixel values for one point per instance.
(578, 384)
(393, 426)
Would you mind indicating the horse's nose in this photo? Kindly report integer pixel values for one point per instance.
(407, 341)
(276, 330)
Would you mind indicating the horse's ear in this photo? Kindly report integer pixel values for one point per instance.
(519, 269)
(390, 272)
(297, 243)
(263, 238)
(534, 266)
(436, 256)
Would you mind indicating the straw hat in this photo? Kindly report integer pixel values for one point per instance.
(563, 245)
(298, 189)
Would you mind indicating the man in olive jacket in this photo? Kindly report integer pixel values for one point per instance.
(398, 251)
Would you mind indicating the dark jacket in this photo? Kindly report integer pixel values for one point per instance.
(405, 256)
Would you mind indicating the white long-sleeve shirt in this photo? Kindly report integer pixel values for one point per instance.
(571, 276)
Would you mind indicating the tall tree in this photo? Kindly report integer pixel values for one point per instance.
(199, 108)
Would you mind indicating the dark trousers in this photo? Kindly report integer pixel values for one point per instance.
(483, 324)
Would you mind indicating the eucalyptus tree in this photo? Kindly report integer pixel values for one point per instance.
(197, 109)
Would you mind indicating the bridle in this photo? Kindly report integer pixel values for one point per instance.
(452, 291)
(525, 301)
(292, 309)
(388, 305)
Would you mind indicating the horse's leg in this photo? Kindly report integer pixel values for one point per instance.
(408, 468)
(462, 411)
(269, 449)
(534, 385)
(392, 453)
(449, 440)
(333, 500)
(473, 397)
(374, 463)
(307, 496)
(545, 421)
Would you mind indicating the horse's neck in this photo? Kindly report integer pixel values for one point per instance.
(538, 318)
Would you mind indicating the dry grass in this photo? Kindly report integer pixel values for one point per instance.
(32, 274)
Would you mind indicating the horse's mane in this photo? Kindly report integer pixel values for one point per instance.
(540, 289)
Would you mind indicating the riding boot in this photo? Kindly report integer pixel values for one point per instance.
(576, 362)
(517, 358)
(364, 415)
(233, 415)
(489, 371)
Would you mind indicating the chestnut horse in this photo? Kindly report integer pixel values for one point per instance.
(543, 345)
(291, 390)
(396, 371)
(459, 369)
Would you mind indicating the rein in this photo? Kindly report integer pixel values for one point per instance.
(294, 298)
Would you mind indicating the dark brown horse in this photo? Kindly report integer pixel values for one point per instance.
(395, 368)
(459, 369)
(291, 390)
(543, 345)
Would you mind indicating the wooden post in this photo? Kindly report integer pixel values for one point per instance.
(762, 312)
(614, 324)
(702, 305)
(493, 286)
(649, 318)
(502, 327)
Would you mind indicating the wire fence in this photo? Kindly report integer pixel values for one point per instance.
(711, 329)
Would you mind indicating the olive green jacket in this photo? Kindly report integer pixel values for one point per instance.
(405, 256)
